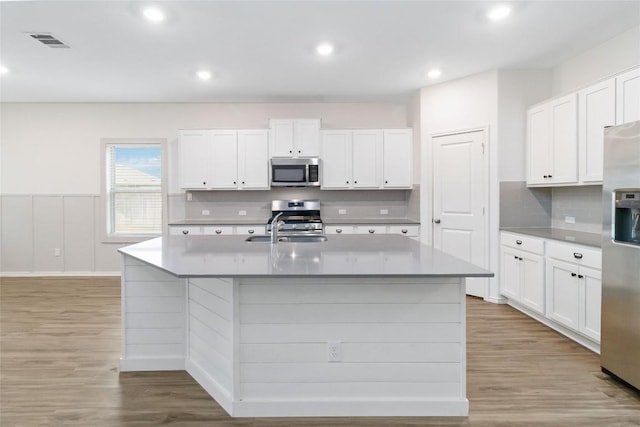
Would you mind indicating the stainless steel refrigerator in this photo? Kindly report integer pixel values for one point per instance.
(620, 343)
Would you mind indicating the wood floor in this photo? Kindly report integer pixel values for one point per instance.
(60, 343)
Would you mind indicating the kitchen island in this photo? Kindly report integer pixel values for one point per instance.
(354, 326)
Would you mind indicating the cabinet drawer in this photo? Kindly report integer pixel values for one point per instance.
(218, 230)
(581, 255)
(405, 230)
(522, 242)
(191, 230)
(250, 229)
(371, 229)
(339, 229)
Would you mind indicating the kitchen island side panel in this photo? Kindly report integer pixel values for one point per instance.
(153, 318)
(401, 340)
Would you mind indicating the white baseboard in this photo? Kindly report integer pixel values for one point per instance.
(352, 408)
(152, 364)
(60, 274)
(580, 339)
(216, 390)
(498, 300)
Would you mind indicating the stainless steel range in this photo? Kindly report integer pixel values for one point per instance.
(296, 217)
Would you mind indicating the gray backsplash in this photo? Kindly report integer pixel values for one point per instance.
(583, 203)
(521, 206)
(524, 207)
(360, 204)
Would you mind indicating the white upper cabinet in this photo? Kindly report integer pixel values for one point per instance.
(552, 141)
(596, 110)
(253, 159)
(224, 159)
(194, 158)
(367, 159)
(295, 137)
(336, 159)
(397, 158)
(628, 96)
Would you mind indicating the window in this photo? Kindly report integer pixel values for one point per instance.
(133, 189)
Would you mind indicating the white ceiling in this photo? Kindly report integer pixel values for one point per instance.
(264, 50)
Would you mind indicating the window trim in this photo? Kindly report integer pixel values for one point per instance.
(104, 196)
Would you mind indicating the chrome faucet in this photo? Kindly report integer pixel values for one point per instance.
(276, 223)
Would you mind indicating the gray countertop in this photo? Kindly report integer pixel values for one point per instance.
(570, 236)
(340, 256)
(329, 221)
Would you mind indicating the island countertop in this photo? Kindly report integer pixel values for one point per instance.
(339, 256)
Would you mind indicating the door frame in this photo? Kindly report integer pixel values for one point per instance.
(490, 200)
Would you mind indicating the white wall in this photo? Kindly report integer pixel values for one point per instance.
(611, 57)
(462, 104)
(55, 148)
(51, 175)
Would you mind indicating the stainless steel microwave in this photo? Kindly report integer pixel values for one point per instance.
(295, 172)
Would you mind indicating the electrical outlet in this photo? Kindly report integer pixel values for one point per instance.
(384, 211)
(206, 212)
(189, 196)
(334, 351)
(342, 211)
(570, 219)
(56, 252)
(242, 212)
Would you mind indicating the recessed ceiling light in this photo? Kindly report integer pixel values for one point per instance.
(434, 74)
(498, 13)
(324, 49)
(153, 14)
(203, 75)
(3, 69)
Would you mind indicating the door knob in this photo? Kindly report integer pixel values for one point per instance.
(437, 221)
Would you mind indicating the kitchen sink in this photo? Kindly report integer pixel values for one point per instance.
(294, 238)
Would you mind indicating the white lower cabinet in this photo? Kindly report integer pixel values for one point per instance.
(560, 282)
(217, 230)
(523, 271)
(408, 230)
(574, 288)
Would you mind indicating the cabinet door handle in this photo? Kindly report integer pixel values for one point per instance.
(339, 230)
(234, 183)
(515, 256)
(404, 231)
(204, 183)
(251, 231)
(290, 152)
(371, 231)
(437, 221)
(518, 242)
(519, 259)
(550, 176)
(573, 274)
(347, 182)
(355, 182)
(242, 182)
(218, 231)
(577, 255)
(580, 276)
(185, 231)
(386, 182)
(299, 152)
(546, 176)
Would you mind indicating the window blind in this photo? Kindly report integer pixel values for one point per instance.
(134, 189)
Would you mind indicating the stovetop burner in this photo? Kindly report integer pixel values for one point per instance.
(298, 216)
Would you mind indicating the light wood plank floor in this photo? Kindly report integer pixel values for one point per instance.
(60, 343)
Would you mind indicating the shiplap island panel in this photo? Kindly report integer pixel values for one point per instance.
(357, 325)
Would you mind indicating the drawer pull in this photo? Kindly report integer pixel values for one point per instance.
(519, 259)
(573, 274)
(515, 256)
(518, 242)
(404, 231)
(371, 230)
(251, 231)
(218, 231)
(577, 255)
(580, 276)
(338, 230)
(185, 231)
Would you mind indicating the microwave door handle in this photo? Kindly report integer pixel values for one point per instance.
(306, 171)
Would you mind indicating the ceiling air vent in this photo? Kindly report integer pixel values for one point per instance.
(48, 39)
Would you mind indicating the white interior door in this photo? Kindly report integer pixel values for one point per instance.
(459, 201)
